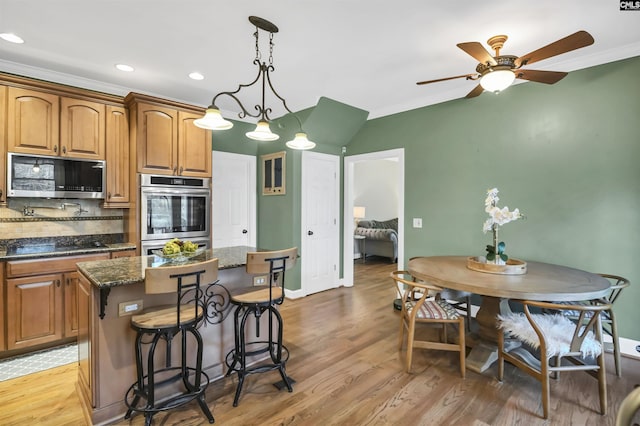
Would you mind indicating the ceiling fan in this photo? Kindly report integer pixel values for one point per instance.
(496, 73)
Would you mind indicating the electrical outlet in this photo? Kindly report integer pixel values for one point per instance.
(129, 308)
(260, 280)
(417, 222)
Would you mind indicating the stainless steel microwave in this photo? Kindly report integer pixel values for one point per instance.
(40, 176)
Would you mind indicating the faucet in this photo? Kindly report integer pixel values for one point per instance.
(78, 212)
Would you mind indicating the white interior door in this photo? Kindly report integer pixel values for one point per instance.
(320, 247)
(233, 200)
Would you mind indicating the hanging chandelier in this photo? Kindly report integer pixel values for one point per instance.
(213, 119)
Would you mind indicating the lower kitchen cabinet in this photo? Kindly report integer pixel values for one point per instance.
(34, 310)
(41, 305)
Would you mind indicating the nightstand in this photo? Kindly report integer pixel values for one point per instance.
(360, 240)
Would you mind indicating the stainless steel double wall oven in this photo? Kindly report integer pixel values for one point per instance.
(174, 207)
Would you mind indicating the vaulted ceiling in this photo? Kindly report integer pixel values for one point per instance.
(365, 53)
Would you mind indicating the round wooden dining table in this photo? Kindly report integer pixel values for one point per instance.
(541, 282)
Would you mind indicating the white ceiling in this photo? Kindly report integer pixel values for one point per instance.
(366, 53)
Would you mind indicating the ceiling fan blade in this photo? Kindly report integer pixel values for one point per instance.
(547, 77)
(478, 51)
(564, 45)
(447, 78)
(477, 91)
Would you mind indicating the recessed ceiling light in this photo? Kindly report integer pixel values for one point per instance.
(10, 37)
(196, 76)
(124, 67)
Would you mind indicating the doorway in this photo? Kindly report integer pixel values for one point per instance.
(233, 199)
(350, 163)
(320, 225)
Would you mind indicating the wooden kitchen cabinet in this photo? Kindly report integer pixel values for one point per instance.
(70, 280)
(33, 120)
(167, 142)
(194, 147)
(82, 129)
(42, 300)
(117, 154)
(34, 310)
(123, 253)
(44, 123)
(3, 341)
(3, 149)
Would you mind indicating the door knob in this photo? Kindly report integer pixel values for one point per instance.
(244, 231)
(309, 232)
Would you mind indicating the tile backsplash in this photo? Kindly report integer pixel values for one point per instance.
(31, 218)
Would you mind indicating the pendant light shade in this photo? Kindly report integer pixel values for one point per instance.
(213, 120)
(497, 80)
(301, 142)
(262, 132)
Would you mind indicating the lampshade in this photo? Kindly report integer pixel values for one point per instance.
(497, 80)
(301, 142)
(358, 212)
(262, 132)
(213, 120)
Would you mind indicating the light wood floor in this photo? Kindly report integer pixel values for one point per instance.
(348, 369)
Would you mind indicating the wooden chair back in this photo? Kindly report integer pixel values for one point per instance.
(163, 279)
(258, 262)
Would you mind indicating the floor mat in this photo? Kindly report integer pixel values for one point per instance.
(11, 368)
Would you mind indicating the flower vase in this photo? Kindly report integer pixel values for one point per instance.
(496, 260)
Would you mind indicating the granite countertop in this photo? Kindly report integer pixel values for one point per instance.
(56, 248)
(130, 270)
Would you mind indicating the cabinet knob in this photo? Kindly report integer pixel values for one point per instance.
(68, 281)
(181, 169)
(57, 283)
(55, 148)
(244, 231)
(64, 149)
(108, 194)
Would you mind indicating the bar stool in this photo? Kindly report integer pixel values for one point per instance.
(258, 300)
(158, 389)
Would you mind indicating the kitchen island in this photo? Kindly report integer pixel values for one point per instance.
(110, 291)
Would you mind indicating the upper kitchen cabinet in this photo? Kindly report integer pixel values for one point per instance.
(118, 173)
(3, 146)
(166, 140)
(47, 124)
(82, 129)
(33, 120)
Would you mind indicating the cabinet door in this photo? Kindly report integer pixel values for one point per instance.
(85, 314)
(70, 304)
(32, 122)
(34, 310)
(82, 129)
(3, 150)
(156, 138)
(194, 147)
(117, 158)
(3, 342)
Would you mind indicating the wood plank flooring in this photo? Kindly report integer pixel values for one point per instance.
(348, 370)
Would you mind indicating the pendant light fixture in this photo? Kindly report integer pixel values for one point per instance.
(213, 119)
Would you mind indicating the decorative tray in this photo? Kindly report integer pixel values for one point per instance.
(181, 255)
(512, 267)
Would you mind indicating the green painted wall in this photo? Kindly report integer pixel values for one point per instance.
(565, 154)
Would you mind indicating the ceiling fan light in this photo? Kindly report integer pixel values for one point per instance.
(262, 132)
(497, 80)
(301, 142)
(213, 120)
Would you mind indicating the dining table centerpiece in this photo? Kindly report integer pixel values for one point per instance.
(496, 260)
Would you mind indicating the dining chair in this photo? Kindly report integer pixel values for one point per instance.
(609, 324)
(419, 308)
(460, 300)
(554, 338)
(628, 408)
